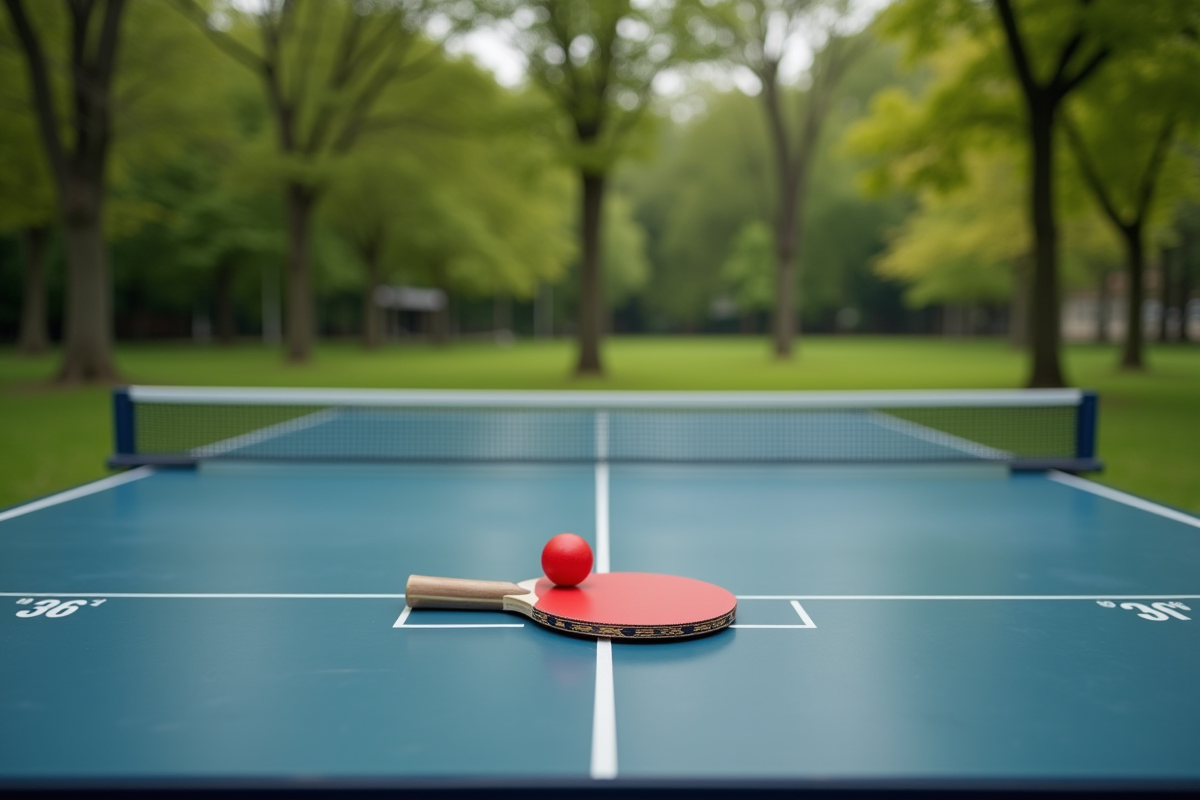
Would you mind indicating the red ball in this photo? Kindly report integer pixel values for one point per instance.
(567, 559)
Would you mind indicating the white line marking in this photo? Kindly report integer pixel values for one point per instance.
(604, 713)
(808, 623)
(789, 627)
(604, 717)
(80, 491)
(934, 436)
(249, 596)
(264, 434)
(480, 625)
(967, 596)
(403, 616)
(208, 596)
(602, 544)
(1121, 497)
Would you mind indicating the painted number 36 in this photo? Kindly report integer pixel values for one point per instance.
(51, 608)
(1159, 612)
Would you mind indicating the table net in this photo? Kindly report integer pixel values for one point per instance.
(1025, 429)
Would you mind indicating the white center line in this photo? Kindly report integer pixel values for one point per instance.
(604, 716)
(604, 713)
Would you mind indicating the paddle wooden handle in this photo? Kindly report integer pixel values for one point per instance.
(424, 591)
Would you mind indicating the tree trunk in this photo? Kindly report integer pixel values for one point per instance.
(784, 322)
(87, 332)
(591, 289)
(1102, 303)
(33, 339)
(1044, 308)
(1131, 356)
(299, 323)
(223, 295)
(77, 152)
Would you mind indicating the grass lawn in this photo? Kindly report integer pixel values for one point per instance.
(53, 437)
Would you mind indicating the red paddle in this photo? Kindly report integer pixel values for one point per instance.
(613, 605)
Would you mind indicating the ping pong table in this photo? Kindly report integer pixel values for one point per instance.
(953, 614)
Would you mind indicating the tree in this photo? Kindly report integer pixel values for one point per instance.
(1004, 61)
(323, 67)
(478, 209)
(972, 244)
(749, 269)
(1121, 132)
(596, 61)
(763, 34)
(694, 206)
(1074, 58)
(77, 148)
(27, 206)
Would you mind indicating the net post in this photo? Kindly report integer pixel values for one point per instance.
(123, 423)
(1085, 426)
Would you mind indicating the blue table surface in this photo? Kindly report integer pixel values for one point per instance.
(240, 621)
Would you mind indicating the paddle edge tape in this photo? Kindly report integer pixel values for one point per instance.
(640, 632)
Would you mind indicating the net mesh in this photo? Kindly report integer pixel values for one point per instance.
(330, 432)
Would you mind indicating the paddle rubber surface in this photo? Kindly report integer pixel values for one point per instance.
(635, 605)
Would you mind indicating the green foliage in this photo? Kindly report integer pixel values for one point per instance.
(710, 182)
(715, 179)
(957, 140)
(26, 190)
(596, 61)
(626, 267)
(1123, 131)
(447, 204)
(749, 271)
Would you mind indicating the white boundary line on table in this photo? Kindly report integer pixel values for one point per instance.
(193, 395)
(808, 622)
(400, 620)
(797, 597)
(79, 491)
(1121, 497)
(1142, 596)
(461, 625)
(212, 595)
(604, 710)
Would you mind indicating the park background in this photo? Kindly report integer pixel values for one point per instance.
(600, 194)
